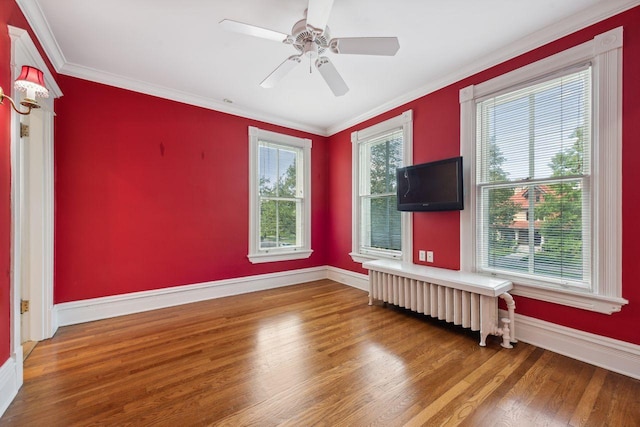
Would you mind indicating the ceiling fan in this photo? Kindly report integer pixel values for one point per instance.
(311, 38)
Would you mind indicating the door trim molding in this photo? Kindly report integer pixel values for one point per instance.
(24, 51)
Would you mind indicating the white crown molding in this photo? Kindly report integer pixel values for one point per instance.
(615, 355)
(526, 44)
(32, 12)
(35, 17)
(134, 85)
(41, 28)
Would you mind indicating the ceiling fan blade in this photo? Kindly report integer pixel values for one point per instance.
(282, 70)
(318, 14)
(331, 76)
(252, 30)
(386, 46)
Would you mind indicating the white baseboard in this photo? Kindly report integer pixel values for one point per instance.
(71, 313)
(350, 278)
(10, 382)
(608, 353)
(615, 355)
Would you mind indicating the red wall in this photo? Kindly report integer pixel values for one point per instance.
(10, 14)
(437, 135)
(152, 193)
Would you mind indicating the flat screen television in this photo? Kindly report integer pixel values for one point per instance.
(433, 186)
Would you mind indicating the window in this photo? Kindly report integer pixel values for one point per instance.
(545, 193)
(379, 229)
(531, 141)
(280, 197)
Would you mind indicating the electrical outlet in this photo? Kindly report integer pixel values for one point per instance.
(429, 256)
(421, 255)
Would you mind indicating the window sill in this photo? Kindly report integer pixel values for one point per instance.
(358, 257)
(598, 303)
(279, 256)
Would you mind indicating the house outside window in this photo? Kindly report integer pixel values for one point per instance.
(544, 186)
(280, 197)
(379, 229)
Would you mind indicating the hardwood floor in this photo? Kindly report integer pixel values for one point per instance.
(311, 354)
(27, 348)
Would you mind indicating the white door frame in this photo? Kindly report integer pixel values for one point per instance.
(32, 223)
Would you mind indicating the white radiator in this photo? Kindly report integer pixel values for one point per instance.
(464, 299)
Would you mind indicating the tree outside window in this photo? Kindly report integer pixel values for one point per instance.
(279, 196)
(533, 184)
(382, 230)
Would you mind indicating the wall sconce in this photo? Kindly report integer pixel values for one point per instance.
(31, 81)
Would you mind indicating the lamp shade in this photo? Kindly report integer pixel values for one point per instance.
(31, 80)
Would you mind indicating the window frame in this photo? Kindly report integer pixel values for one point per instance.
(405, 122)
(532, 181)
(604, 52)
(257, 255)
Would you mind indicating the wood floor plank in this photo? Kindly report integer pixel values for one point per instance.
(310, 354)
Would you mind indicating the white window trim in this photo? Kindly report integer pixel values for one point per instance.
(277, 254)
(605, 54)
(405, 120)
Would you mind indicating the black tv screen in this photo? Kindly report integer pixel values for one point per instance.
(433, 186)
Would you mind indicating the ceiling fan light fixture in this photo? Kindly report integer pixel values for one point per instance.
(310, 49)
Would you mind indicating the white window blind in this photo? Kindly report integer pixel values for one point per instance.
(533, 183)
(545, 186)
(381, 222)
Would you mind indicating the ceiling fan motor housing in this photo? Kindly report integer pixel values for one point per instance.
(302, 37)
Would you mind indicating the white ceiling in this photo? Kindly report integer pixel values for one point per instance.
(177, 49)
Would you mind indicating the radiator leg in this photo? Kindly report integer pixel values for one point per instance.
(487, 316)
(511, 308)
(372, 279)
(483, 338)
